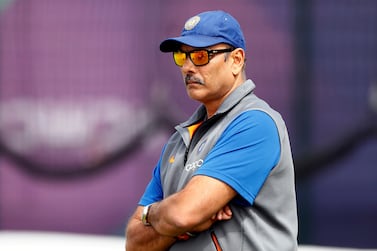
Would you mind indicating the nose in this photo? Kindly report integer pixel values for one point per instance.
(188, 66)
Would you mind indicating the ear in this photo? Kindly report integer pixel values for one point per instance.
(238, 56)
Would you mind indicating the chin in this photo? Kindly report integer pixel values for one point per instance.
(198, 98)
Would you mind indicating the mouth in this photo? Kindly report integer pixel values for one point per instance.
(193, 83)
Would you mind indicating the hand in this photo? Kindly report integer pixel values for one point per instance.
(224, 214)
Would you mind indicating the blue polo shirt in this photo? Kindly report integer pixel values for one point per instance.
(243, 157)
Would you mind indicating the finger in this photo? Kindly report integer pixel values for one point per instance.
(214, 217)
(227, 210)
(220, 215)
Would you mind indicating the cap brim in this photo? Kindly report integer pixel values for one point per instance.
(172, 44)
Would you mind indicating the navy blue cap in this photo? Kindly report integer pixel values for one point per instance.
(207, 29)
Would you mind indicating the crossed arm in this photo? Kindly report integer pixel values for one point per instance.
(195, 208)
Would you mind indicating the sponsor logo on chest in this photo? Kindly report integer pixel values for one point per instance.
(194, 165)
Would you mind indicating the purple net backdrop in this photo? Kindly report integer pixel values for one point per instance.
(87, 102)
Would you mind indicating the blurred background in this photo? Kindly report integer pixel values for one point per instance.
(87, 102)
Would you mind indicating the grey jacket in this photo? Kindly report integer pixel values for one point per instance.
(270, 224)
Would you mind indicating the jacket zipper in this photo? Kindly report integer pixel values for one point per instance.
(216, 242)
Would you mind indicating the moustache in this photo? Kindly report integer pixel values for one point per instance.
(190, 79)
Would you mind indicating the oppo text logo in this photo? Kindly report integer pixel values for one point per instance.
(194, 165)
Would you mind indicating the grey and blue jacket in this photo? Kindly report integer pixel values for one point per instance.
(270, 222)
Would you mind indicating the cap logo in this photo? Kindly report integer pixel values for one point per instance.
(191, 23)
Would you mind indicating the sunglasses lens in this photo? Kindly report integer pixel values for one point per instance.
(179, 58)
(199, 57)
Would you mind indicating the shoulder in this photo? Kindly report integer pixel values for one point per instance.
(253, 120)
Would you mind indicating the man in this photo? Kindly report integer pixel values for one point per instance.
(225, 179)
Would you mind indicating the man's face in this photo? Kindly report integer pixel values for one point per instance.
(210, 83)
